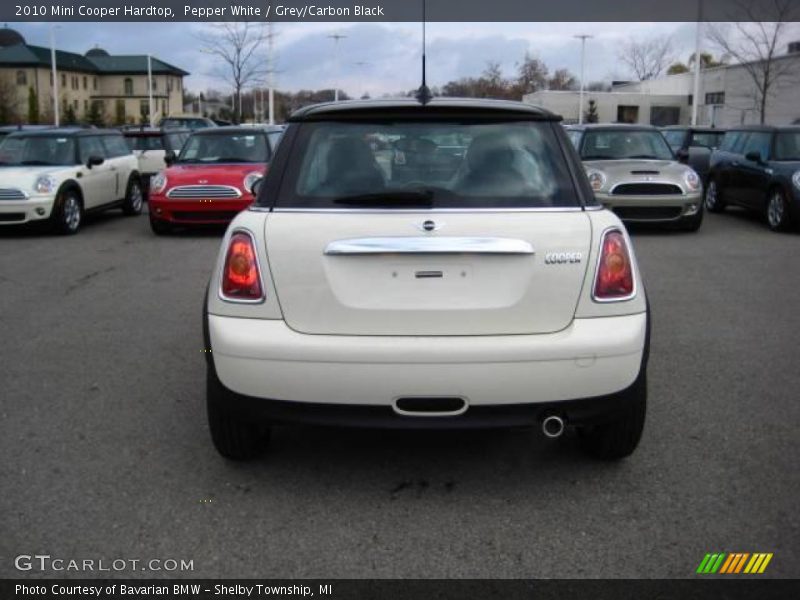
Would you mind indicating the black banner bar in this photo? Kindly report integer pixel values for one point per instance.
(710, 588)
(399, 10)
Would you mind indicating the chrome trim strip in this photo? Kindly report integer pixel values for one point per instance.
(12, 194)
(629, 248)
(196, 192)
(422, 210)
(428, 245)
(225, 298)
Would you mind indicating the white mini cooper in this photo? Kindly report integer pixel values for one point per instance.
(55, 176)
(432, 266)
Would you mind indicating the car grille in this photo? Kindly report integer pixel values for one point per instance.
(197, 192)
(11, 217)
(11, 194)
(648, 213)
(646, 189)
(210, 215)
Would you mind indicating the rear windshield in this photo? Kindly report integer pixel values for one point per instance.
(145, 142)
(436, 164)
(625, 145)
(226, 148)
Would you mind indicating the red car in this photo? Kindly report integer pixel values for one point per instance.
(211, 180)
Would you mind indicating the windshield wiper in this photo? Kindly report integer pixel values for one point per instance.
(598, 157)
(413, 197)
(647, 157)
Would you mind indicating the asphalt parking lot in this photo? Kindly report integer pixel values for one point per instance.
(106, 454)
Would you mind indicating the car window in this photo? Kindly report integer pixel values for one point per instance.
(787, 146)
(729, 140)
(674, 137)
(758, 141)
(38, 150)
(450, 164)
(739, 143)
(574, 137)
(90, 146)
(175, 141)
(115, 146)
(706, 139)
(226, 148)
(620, 144)
(145, 142)
(274, 138)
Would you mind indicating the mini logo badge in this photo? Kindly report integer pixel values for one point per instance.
(429, 226)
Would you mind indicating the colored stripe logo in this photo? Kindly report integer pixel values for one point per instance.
(734, 563)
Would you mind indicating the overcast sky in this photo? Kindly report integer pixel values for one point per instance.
(389, 52)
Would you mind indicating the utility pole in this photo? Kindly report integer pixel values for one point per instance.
(336, 37)
(270, 73)
(150, 89)
(582, 37)
(55, 74)
(697, 44)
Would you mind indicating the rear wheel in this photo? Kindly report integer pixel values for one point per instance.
(234, 436)
(67, 213)
(619, 438)
(714, 201)
(777, 211)
(134, 197)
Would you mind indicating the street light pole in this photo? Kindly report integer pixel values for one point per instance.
(271, 74)
(582, 37)
(697, 43)
(55, 74)
(150, 89)
(336, 37)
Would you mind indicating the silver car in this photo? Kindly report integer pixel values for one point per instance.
(634, 172)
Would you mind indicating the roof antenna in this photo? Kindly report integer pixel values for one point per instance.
(423, 93)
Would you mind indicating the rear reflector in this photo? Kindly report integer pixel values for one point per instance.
(241, 280)
(614, 279)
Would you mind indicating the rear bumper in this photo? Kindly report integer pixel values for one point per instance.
(269, 368)
(652, 209)
(188, 212)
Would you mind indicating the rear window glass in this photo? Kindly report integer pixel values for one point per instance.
(441, 164)
(787, 146)
(145, 142)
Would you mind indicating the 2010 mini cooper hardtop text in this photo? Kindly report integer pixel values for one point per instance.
(438, 266)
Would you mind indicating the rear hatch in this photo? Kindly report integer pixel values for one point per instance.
(366, 273)
(380, 228)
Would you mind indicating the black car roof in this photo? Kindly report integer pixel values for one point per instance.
(438, 107)
(153, 131)
(611, 127)
(235, 129)
(66, 131)
(767, 128)
(692, 128)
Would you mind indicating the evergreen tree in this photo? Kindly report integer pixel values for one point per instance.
(33, 106)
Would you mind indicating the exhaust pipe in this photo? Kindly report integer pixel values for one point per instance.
(553, 426)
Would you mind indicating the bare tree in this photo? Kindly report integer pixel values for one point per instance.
(531, 76)
(756, 45)
(236, 45)
(562, 80)
(647, 58)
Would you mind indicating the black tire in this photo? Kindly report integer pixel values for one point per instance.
(134, 197)
(777, 211)
(67, 214)
(159, 226)
(619, 438)
(694, 222)
(714, 200)
(235, 437)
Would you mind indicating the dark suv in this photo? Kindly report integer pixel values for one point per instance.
(758, 167)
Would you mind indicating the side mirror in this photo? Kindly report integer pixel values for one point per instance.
(754, 156)
(255, 187)
(94, 161)
(682, 155)
(170, 157)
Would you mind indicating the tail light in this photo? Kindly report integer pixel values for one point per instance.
(614, 278)
(241, 280)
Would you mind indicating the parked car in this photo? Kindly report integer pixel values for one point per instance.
(9, 129)
(497, 294)
(694, 145)
(186, 122)
(58, 175)
(150, 145)
(633, 171)
(758, 167)
(209, 181)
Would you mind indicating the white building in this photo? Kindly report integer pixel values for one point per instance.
(728, 97)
